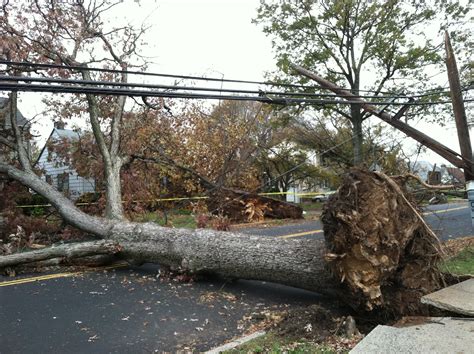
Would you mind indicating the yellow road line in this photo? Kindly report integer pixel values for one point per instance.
(444, 210)
(301, 234)
(33, 279)
(57, 275)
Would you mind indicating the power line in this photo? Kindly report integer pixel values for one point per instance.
(169, 87)
(186, 77)
(7, 85)
(196, 88)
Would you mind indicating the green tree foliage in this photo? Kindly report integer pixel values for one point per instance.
(385, 46)
(382, 148)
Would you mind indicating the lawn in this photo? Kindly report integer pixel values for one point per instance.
(461, 264)
(180, 218)
(271, 343)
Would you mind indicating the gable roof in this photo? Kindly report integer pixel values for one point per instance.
(61, 134)
(20, 118)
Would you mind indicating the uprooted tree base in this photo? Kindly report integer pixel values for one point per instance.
(379, 254)
(379, 245)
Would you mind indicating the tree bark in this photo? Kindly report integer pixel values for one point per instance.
(357, 137)
(378, 254)
(114, 207)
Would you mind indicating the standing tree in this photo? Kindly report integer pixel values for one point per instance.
(75, 33)
(359, 44)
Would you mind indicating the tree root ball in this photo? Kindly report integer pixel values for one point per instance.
(379, 246)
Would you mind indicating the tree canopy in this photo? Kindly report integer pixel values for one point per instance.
(383, 46)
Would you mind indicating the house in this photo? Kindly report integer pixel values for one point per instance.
(433, 174)
(305, 187)
(60, 175)
(423, 169)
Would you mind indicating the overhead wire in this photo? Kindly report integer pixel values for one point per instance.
(197, 78)
(7, 85)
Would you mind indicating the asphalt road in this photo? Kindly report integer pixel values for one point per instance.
(131, 310)
(447, 220)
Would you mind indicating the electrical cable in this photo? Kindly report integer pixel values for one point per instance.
(186, 77)
(7, 85)
(170, 87)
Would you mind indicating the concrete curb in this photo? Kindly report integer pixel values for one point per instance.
(235, 343)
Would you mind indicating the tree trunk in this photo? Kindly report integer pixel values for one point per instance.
(357, 137)
(378, 254)
(72, 250)
(298, 263)
(114, 207)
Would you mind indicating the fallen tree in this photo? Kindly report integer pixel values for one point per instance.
(378, 252)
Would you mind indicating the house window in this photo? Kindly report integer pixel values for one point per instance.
(63, 182)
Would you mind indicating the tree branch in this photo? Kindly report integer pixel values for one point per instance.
(20, 143)
(68, 251)
(70, 213)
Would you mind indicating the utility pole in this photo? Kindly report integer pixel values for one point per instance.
(452, 156)
(461, 120)
(458, 108)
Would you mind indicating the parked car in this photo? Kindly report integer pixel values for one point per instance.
(319, 198)
(322, 197)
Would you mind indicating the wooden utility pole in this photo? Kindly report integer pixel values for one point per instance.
(458, 107)
(452, 156)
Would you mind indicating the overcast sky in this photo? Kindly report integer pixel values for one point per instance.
(212, 38)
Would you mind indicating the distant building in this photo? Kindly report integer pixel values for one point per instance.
(433, 174)
(62, 176)
(423, 169)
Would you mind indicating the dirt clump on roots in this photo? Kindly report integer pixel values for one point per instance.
(379, 246)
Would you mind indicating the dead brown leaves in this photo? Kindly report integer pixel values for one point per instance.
(454, 247)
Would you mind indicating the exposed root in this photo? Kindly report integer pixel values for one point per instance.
(380, 247)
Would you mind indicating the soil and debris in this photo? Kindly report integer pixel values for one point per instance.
(379, 246)
(453, 247)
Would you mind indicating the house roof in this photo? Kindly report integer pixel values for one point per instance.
(61, 134)
(20, 118)
(424, 166)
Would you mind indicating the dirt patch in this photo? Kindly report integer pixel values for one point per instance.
(330, 327)
(312, 322)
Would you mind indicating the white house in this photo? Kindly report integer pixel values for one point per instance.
(62, 176)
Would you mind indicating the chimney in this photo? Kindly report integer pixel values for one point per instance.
(59, 125)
